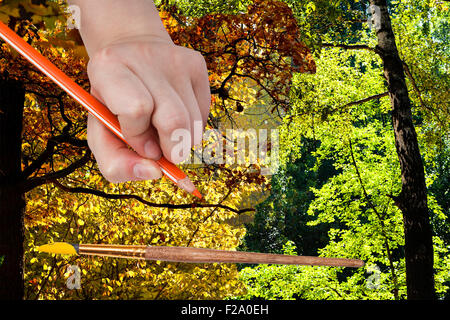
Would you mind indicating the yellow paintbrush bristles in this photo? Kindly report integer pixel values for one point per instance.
(58, 248)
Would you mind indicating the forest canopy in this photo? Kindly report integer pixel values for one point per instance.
(316, 72)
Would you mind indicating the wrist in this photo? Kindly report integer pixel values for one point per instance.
(131, 37)
(105, 22)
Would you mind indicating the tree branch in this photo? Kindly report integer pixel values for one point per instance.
(377, 96)
(353, 103)
(30, 184)
(143, 201)
(350, 47)
(380, 218)
(416, 89)
(50, 150)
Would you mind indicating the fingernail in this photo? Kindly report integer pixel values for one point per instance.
(145, 170)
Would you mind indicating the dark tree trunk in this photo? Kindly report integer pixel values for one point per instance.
(12, 203)
(412, 200)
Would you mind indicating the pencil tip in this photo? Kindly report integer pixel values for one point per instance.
(197, 194)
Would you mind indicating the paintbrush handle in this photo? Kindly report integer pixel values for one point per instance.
(199, 255)
(196, 255)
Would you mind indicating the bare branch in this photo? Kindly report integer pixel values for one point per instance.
(143, 201)
(349, 46)
(419, 94)
(50, 150)
(32, 183)
(376, 96)
(380, 219)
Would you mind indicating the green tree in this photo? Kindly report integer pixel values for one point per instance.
(345, 106)
(283, 215)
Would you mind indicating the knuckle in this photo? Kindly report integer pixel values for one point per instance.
(170, 122)
(101, 58)
(138, 107)
(199, 67)
(200, 59)
(107, 54)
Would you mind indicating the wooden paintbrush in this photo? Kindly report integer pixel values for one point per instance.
(192, 255)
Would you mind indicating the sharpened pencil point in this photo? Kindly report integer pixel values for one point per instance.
(197, 194)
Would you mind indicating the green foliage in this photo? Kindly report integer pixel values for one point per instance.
(440, 189)
(366, 225)
(344, 106)
(321, 19)
(278, 282)
(424, 45)
(283, 215)
(200, 8)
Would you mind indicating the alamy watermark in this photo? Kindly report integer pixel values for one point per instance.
(373, 281)
(73, 282)
(374, 17)
(232, 147)
(74, 20)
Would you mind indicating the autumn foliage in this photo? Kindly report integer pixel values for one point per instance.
(68, 199)
(261, 47)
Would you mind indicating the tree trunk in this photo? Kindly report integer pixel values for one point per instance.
(12, 203)
(412, 200)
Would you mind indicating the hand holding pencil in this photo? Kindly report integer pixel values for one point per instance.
(150, 86)
(110, 124)
(154, 87)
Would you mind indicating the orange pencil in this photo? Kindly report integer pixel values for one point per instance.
(95, 107)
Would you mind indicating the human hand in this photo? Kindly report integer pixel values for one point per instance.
(155, 88)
